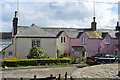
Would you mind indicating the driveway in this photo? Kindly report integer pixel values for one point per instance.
(98, 71)
(39, 72)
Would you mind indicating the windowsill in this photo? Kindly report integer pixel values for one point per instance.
(10, 56)
(83, 43)
(107, 43)
(63, 43)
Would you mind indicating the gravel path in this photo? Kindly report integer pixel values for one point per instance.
(98, 71)
(40, 72)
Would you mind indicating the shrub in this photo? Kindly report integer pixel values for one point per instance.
(66, 54)
(36, 52)
(10, 63)
(34, 62)
(27, 63)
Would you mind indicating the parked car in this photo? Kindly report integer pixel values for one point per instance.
(101, 59)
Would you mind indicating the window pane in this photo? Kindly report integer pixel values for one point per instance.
(61, 39)
(107, 40)
(36, 43)
(33, 43)
(84, 40)
(64, 39)
(10, 53)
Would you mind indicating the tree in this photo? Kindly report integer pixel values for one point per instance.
(36, 52)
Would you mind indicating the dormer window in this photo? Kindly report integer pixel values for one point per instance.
(63, 40)
(84, 40)
(107, 40)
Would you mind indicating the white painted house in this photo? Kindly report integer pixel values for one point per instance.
(24, 38)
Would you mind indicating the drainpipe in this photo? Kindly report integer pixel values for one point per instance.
(15, 45)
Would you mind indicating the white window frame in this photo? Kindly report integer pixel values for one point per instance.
(84, 40)
(63, 40)
(36, 42)
(107, 40)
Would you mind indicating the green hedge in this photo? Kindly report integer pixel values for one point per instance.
(34, 62)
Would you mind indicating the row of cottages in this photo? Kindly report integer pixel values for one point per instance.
(72, 41)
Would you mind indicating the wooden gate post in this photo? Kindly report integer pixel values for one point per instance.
(71, 78)
(66, 76)
(21, 78)
(59, 76)
(5, 79)
(51, 76)
(34, 77)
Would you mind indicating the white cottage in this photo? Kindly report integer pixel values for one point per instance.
(25, 37)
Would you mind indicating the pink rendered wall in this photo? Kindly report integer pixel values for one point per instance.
(91, 46)
(108, 48)
(74, 42)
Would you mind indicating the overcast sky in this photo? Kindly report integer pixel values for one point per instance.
(51, 13)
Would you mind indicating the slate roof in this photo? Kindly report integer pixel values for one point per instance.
(71, 32)
(104, 32)
(94, 34)
(35, 31)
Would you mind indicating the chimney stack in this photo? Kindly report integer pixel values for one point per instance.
(15, 23)
(93, 24)
(117, 27)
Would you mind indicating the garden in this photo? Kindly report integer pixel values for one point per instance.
(36, 57)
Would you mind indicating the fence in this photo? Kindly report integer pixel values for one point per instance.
(51, 77)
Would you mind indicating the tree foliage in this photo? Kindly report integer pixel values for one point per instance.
(36, 52)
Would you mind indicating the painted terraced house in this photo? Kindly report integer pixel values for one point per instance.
(72, 41)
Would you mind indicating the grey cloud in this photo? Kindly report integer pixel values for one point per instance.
(75, 15)
(70, 11)
(55, 14)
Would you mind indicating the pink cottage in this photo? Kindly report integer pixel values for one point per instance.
(86, 42)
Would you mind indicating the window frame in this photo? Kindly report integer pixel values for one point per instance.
(10, 53)
(84, 40)
(36, 42)
(107, 41)
(63, 40)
